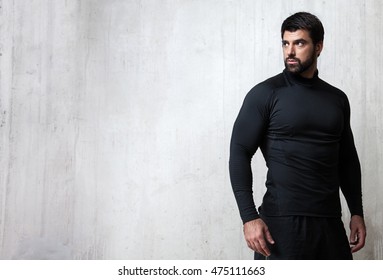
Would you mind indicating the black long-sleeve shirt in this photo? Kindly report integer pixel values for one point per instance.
(302, 127)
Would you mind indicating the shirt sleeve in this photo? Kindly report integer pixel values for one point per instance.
(248, 133)
(349, 168)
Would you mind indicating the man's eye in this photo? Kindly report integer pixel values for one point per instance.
(300, 44)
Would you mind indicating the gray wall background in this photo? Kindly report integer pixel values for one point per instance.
(116, 116)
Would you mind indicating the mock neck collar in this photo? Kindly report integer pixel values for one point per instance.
(298, 79)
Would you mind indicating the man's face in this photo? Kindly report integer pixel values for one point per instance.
(300, 54)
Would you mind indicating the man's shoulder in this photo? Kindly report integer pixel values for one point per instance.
(269, 85)
(274, 82)
(330, 88)
(262, 92)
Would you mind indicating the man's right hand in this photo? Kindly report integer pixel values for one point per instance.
(256, 234)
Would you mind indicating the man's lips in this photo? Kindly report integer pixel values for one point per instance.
(291, 61)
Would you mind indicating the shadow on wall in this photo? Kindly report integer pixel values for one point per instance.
(42, 249)
(374, 242)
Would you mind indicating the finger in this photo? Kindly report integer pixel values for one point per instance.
(251, 245)
(259, 247)
(357, 247)
(353, 236)
(360, 242)
(269, 238)
(263, 249)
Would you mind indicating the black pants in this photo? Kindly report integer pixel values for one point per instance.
(307, 238)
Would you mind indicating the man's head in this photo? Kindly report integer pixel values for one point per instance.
(304, 21)
(302, 41)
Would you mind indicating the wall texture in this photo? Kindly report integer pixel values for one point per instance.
(116, 116)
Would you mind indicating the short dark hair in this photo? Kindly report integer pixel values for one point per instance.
(305, 21)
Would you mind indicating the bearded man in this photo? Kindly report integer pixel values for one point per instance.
(302, 126)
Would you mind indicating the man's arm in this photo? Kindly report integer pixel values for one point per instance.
(248, 132)
(350, 183)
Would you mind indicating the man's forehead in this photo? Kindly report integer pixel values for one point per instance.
(296, 35)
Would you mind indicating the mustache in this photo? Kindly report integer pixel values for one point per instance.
(290, 57)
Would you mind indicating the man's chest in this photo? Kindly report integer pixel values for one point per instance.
(306, 113)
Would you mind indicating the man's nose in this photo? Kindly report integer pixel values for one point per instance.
(291, 50)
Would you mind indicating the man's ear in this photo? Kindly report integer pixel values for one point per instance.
(318, 48)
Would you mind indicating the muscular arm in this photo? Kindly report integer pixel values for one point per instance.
(350, 183)
(248, 133)
(349, 168)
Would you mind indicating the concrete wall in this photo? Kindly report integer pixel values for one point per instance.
(116, 116)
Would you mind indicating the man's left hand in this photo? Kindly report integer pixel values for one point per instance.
(358, 233)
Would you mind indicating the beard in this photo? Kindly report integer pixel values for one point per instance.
(300, 67)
